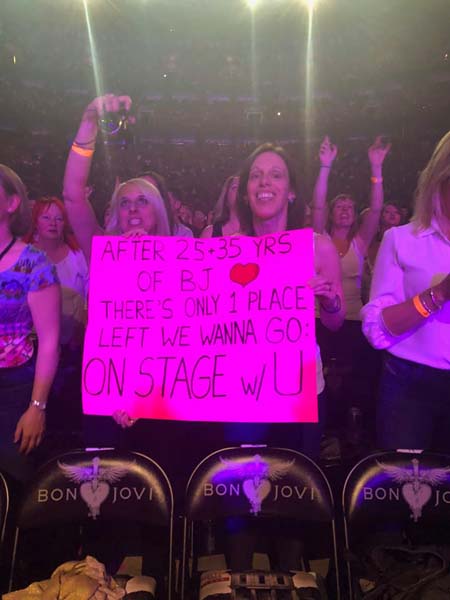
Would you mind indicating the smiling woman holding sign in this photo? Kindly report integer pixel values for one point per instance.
(268, 203)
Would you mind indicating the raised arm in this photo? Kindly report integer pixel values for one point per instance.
(371, 219)
(327, 154)
(81, 214)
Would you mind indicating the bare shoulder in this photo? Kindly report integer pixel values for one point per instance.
(19, 245)
(14, 253)
(324, 249)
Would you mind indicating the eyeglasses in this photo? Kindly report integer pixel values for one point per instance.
(139, 202)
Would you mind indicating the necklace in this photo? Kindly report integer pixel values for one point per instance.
(342, 248)
(8, 248)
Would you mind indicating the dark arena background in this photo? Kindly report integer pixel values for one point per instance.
(211, 79)
(216, 511)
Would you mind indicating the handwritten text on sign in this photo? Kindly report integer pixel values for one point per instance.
(202, 330)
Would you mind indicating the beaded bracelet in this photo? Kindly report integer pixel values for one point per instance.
(336, 306)
(434, 300)
(425, 304)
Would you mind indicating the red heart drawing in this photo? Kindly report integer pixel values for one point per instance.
(244, 274)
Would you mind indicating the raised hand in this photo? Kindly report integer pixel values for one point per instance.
(377, 152)
(327, 152)
(109, 103)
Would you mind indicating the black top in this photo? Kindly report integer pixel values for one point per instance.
(217, 230)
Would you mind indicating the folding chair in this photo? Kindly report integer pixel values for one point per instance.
(389, 497)
(103, 494)
(260, 486)
(5, 550)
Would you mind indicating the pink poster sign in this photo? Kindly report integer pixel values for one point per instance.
(202, 330)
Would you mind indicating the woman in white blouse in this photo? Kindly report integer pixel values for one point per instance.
(409, 315)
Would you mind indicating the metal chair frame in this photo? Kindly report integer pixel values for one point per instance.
(189, 524)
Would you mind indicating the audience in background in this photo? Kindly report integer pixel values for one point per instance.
(391, 216)
(347, 357)
(225, 217)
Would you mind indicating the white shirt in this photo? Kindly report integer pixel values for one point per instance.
(73, 273)
(181, 230)
(409, 262)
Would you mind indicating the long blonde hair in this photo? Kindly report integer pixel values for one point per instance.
(428, 194)
(153, 196)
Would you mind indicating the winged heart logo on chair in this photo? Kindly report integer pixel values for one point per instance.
(256, 474)
(244, 274)
(94, 482)
(417, 483)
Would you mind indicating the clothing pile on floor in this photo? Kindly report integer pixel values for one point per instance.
(86, 580)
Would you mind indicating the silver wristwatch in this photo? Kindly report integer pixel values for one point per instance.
(39, 404)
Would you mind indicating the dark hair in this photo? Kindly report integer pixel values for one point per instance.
(161, 184)
(13, 186)
(296, 210)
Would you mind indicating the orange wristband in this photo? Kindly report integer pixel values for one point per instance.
(376, 179)
(86, 152)
(419, 306)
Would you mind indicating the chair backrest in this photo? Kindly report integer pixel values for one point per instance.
(258, 481)
(4, 510)
(80, 486)
(394, 492)
(5, 543)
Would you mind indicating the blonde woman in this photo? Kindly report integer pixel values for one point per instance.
(408, 315)
(136, 206)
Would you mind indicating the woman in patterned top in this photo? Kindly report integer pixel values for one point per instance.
(29, 299)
